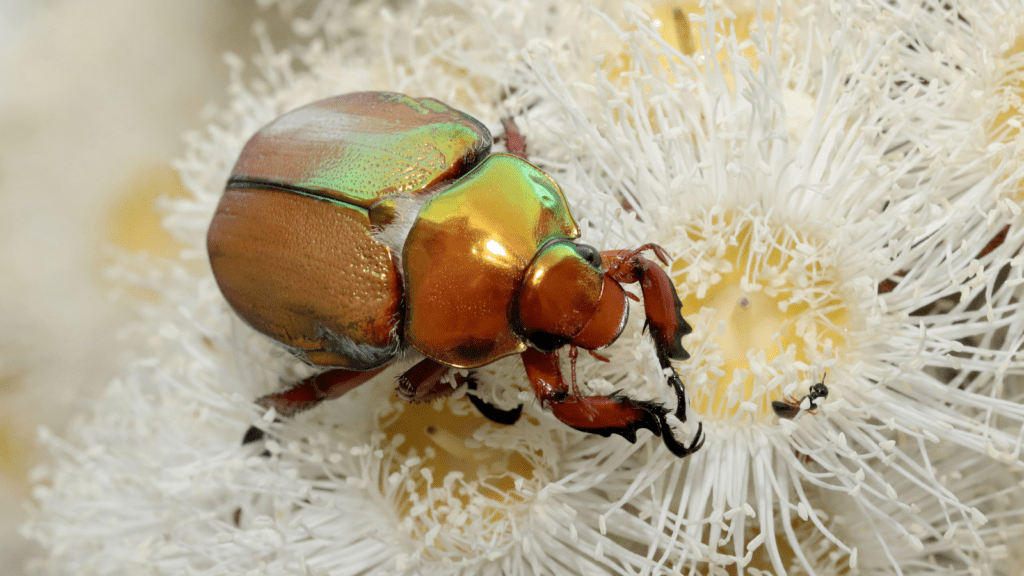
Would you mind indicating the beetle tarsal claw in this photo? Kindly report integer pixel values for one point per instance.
(680, 390)
(674, 446)
(488, 410)
(664, 424)
(671, 421)
(495, 414)
(253, 434)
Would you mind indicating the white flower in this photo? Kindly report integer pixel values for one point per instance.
(156, 480)
(922, 535)
(817, 238)
(854, 253)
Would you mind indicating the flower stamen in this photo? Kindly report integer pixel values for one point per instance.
(771, 309)
(1005, 126)
(446, 481)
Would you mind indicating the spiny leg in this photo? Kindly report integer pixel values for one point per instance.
(602, 415)
(425, 381)
(573, 354)
(662, 306)
(309, 392)
(489, 411)
(661, 303)
(664, 319)
(515, 143)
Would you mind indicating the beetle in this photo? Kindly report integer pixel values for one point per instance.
(808, 403)
(358, 229)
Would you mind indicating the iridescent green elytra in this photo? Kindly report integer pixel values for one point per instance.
(364, 147)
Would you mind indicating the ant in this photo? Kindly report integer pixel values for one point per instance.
(789, 409)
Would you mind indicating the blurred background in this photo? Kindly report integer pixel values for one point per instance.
(94, 98)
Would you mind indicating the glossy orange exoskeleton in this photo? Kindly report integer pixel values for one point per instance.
(369, 226)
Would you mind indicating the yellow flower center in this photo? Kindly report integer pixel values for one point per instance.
(134, 223)
(682, 25)
(1005, 127)
(770, 310)
(448, 478)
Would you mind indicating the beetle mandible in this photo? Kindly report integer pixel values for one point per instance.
(360, 226)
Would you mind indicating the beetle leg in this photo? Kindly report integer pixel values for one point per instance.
(662, 305)
(573, 354)
(490, 411)
(309, 392)
(603, 415)
(514, 141)
(424, 382)
(664, 315)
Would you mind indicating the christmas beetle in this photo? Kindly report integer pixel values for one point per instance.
(363, 227)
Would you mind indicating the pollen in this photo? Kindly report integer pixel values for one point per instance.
(769, 311)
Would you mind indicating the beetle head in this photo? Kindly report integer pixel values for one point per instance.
(566, 298)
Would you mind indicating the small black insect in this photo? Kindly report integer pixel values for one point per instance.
(789, 409)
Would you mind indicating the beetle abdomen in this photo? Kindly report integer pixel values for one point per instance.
(306, 272)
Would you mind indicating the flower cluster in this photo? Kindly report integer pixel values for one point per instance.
(840, 188)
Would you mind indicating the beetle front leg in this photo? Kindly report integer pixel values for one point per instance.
(661, 303)
(603, 415)
(662, 307)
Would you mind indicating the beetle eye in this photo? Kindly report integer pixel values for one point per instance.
(590, 254)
